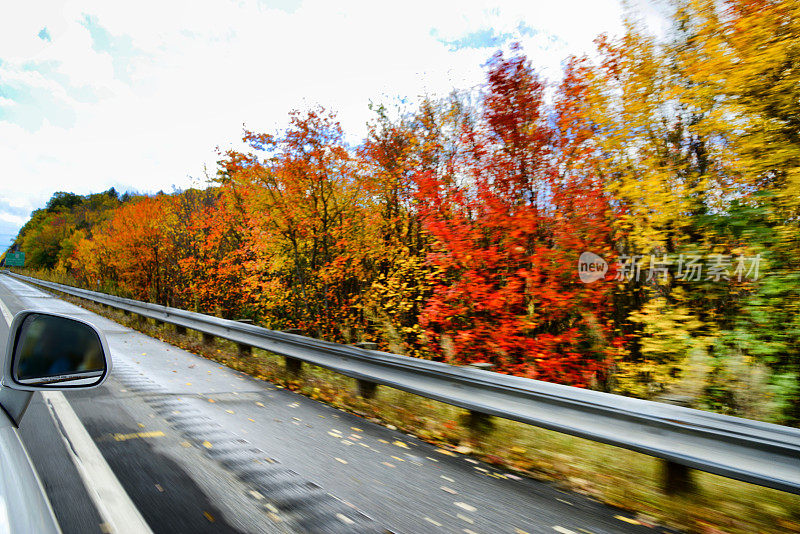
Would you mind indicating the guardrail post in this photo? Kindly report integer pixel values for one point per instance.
(478, 423)
(245, 351)
(208, 339)
(366, 389)
(294, 367)
(181, 330)
(677, 478)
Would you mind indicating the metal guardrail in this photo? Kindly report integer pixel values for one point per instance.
(743, 449)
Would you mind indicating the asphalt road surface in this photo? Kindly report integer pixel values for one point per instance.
(176, 443)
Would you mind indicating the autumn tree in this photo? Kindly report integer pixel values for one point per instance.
(509, 233)
(301, 193)
(749, 53)
(401, 144)
(131, 250)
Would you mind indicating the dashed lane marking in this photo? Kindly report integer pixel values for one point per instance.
(627, 519)
(136, 435)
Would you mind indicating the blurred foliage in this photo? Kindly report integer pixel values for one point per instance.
(453, 230)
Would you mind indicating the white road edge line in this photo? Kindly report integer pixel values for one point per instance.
(113, 503)
(103, 487)
(6, 312)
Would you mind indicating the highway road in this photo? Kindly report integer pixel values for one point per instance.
(175, 443)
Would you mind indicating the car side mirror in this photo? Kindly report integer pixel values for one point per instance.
(49, 351)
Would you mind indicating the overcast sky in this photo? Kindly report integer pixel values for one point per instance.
(137, 95)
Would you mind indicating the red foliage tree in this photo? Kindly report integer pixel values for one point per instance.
(510, 226)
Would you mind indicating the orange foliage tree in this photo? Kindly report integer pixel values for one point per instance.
(304, 206)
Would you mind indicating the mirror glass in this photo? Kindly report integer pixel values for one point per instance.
(59, 351)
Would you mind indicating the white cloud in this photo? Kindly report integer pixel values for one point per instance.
(14, 219)
(169, 81)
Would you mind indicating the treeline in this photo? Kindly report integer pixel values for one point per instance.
(454, 230)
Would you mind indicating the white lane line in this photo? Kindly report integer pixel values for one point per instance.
(6, 313)
(113, 504)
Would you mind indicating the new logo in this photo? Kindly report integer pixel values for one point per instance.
(591, 267)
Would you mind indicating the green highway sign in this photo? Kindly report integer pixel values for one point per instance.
(15, 259)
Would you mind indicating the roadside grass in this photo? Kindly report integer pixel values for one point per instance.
(616, 476)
